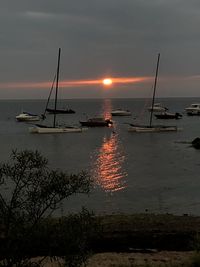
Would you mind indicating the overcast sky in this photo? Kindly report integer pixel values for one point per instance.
(99, 38)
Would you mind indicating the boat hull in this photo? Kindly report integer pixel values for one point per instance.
(94, 124)
(193, 109)
(27, 119)
(168, 116)
(52, 130)
(193, 112)
(60, 111)
(120, 113)
(153, 129)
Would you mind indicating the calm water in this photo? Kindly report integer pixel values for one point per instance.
(133, 172)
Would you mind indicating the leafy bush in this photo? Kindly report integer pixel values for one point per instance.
(29, 194)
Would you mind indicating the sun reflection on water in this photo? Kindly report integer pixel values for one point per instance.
(108, 160)
(106, 109)
(108, 170)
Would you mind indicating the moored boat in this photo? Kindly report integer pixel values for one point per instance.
(57, 110)
(153, 128)
(120, 112)
(96, 122)
(60, 111)
(148, 129)
(40, 129)
(168, 115)
(193, 109)
(157, 107)
(26, 116)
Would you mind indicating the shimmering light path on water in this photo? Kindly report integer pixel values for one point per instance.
(149, 172)
(107, 165)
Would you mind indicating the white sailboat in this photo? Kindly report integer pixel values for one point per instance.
(150, 127)
(44, 129)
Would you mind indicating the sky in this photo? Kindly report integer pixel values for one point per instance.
(117, 39)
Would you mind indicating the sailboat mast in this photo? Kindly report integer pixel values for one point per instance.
(44, 114)
(56, 94)
(154, 89)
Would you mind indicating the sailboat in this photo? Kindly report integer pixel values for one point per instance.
(58, 110)
(40, 128)
(151, 127)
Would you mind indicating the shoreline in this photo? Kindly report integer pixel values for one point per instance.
(153, 240)
(128, 233)
(163, 240)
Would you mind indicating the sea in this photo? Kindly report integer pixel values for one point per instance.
(132, 172)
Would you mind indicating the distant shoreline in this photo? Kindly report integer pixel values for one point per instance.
(100, 98)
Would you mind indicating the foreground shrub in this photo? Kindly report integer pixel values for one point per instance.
(29, 194)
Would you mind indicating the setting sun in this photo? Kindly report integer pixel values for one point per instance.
(107, 81)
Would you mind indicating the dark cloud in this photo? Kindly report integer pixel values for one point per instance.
(107, 37)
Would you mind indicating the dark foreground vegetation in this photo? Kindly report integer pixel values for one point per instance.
(29, 195)
(143, 232)
(76, 237)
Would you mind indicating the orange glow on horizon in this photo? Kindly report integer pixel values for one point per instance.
(76, 83)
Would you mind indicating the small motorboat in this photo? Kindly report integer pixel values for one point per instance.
(26, 116)
(168, 115)
(157, 107)
(120, 112)
(96, 122)
(193, 109)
